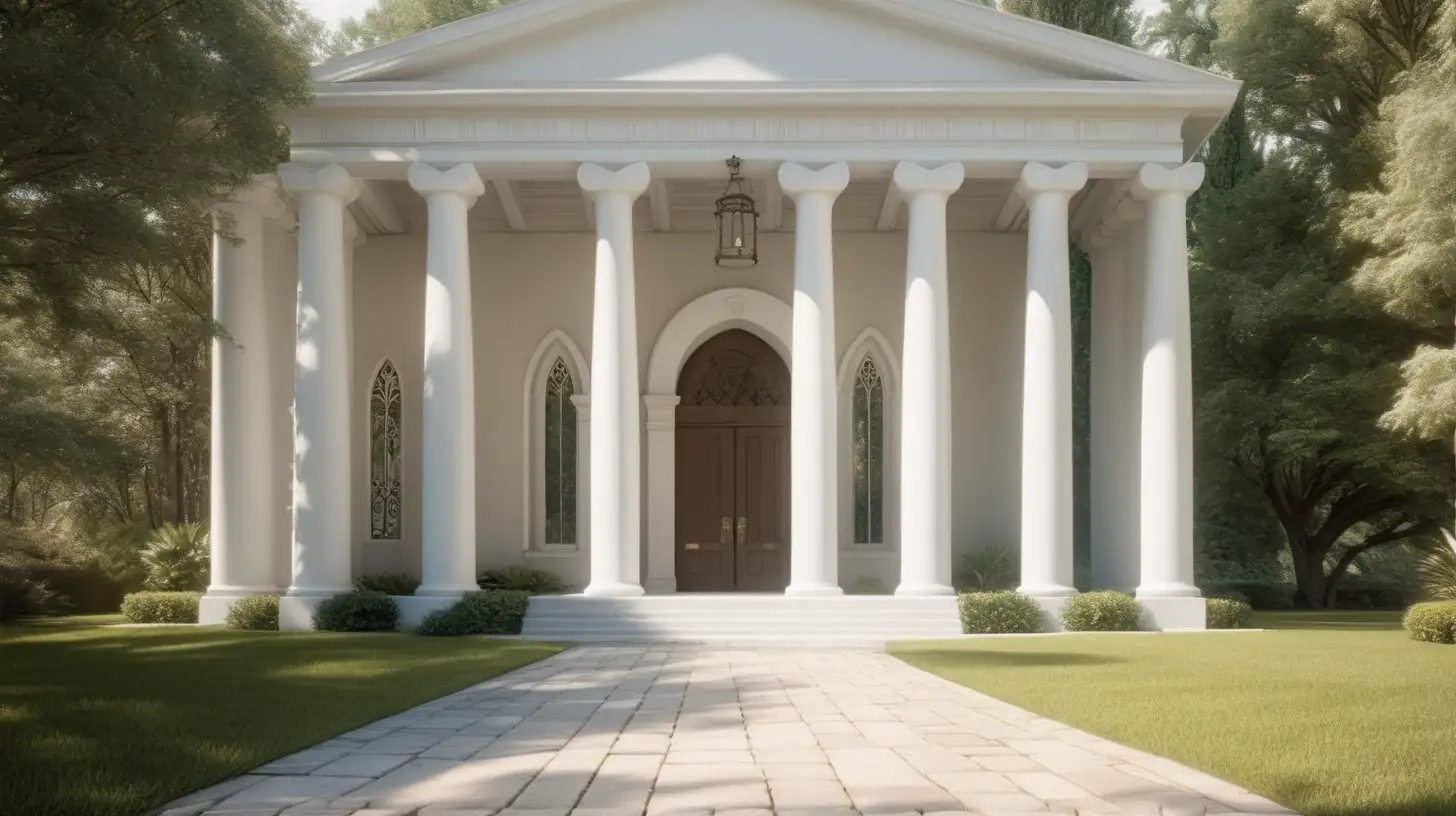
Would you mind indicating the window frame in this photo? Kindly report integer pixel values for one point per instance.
(555, 346)
(377, 370)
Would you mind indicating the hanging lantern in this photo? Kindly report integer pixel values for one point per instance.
(737, 222)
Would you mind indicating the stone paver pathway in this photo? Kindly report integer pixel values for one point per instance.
(683, 730)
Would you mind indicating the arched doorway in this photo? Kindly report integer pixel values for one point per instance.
(732, 513)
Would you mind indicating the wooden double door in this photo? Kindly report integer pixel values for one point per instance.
(732, 501)
(732, 508)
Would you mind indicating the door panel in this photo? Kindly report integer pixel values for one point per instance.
(761, 527)
(705, 509)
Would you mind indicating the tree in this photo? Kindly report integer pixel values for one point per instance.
(121, 115)
(391, 20)
(1409, 223)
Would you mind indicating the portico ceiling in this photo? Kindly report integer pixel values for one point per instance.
(679, 205)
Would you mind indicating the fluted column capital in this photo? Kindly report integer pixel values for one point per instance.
(913, 179)
(1039, 179)
(460, 180)
(796, 179)
(1155, 179)
(631, 180)
(331, 180)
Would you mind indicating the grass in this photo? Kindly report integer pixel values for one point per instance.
(1330, 714)
(98, 721)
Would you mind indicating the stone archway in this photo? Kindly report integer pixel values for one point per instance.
(757, 312)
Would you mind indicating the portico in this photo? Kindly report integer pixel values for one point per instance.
(487, 324)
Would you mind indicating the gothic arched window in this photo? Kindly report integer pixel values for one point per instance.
(559, 473)
(869, 454)
(384, 446)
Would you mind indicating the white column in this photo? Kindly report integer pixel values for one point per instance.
(241, 527)
(813, 412)
(321, 456)
(447, 481)
(616, 452)
(925, 435)
(1113, 402)
(1046, 412)
(661, 459)
(1167, 397)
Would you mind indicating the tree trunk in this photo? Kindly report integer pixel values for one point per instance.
(179, 469)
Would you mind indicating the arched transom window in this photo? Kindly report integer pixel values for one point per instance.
(559, 488)
(869, 454)
(384, 446)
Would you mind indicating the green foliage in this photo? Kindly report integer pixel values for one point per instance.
(254, 613)
(23, 593)
(1115, 20)
(999, 613)
(1102, 612)
(390, 583)
(1229, 613)
(161, 607)
(867, 585)
(1432, 622)
(494, 612)
(1438, 570)
(1258, 594)
(177, 558)
(988, 569)
(391, 20)
(530, 580)
(357, 612)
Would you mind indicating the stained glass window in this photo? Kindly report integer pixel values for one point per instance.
(869, 454)
(560, 470)
(384, 465)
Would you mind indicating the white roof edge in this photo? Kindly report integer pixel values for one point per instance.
(1043, 41)
(1212, 99)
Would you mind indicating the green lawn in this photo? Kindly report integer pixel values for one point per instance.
(1331, 714)
(99, 721)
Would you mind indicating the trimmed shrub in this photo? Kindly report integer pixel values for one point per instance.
(161, 607)
(390, 583)
(1369, 594)
(989, 569)
(258, 613)
(23, 591)
(999, 613)
(176, 558)
(452, 622)
(1259, 594)
(1432, 622)
(529, 580)
(1229, 613)
(1102, 612)
(357, 612)
(493, 612)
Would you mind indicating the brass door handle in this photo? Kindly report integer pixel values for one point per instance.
(742, 530)
(725, 534)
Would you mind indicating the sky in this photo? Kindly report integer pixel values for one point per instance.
(332, 11)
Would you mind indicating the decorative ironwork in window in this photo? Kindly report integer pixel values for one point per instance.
(384, 465)
(734, 377)
(560, 470)
(869, 454)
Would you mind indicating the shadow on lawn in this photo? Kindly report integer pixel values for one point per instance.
(981, 658)
(114, 721)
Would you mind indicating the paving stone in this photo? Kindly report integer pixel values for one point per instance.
(457, 747)
(799, 794)
(563, 780)
(371, 765)
(292, 790)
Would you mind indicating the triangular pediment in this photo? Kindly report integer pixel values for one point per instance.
(582, 42)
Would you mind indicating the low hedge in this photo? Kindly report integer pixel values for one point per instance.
(161, 607)
(1258, 594)
(531, 580)
(258, 613)
(1432, 622)
(357, 612)
(390, 583)
(495, 612)
(1229, 613)
(999, 613)
(1105, 611)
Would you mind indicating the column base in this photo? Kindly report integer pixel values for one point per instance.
(1175, 589)
(1047, 591)
(413, 609)
(295, 609)
(1173, 614)
(215, 605)
(660, 586)
(813, 591)
(923, 591)
(600, 589)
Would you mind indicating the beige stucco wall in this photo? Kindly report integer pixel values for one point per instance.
(526, 285)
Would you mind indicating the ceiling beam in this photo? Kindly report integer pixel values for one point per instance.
(772, 218)
(1011, 212)
(510, 205)
(591, 210)
(376, 210)
(661, 206)
(890, 209)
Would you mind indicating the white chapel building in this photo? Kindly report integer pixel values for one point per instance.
(487, 315)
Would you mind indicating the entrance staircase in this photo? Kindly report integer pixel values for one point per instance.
(765, 620)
